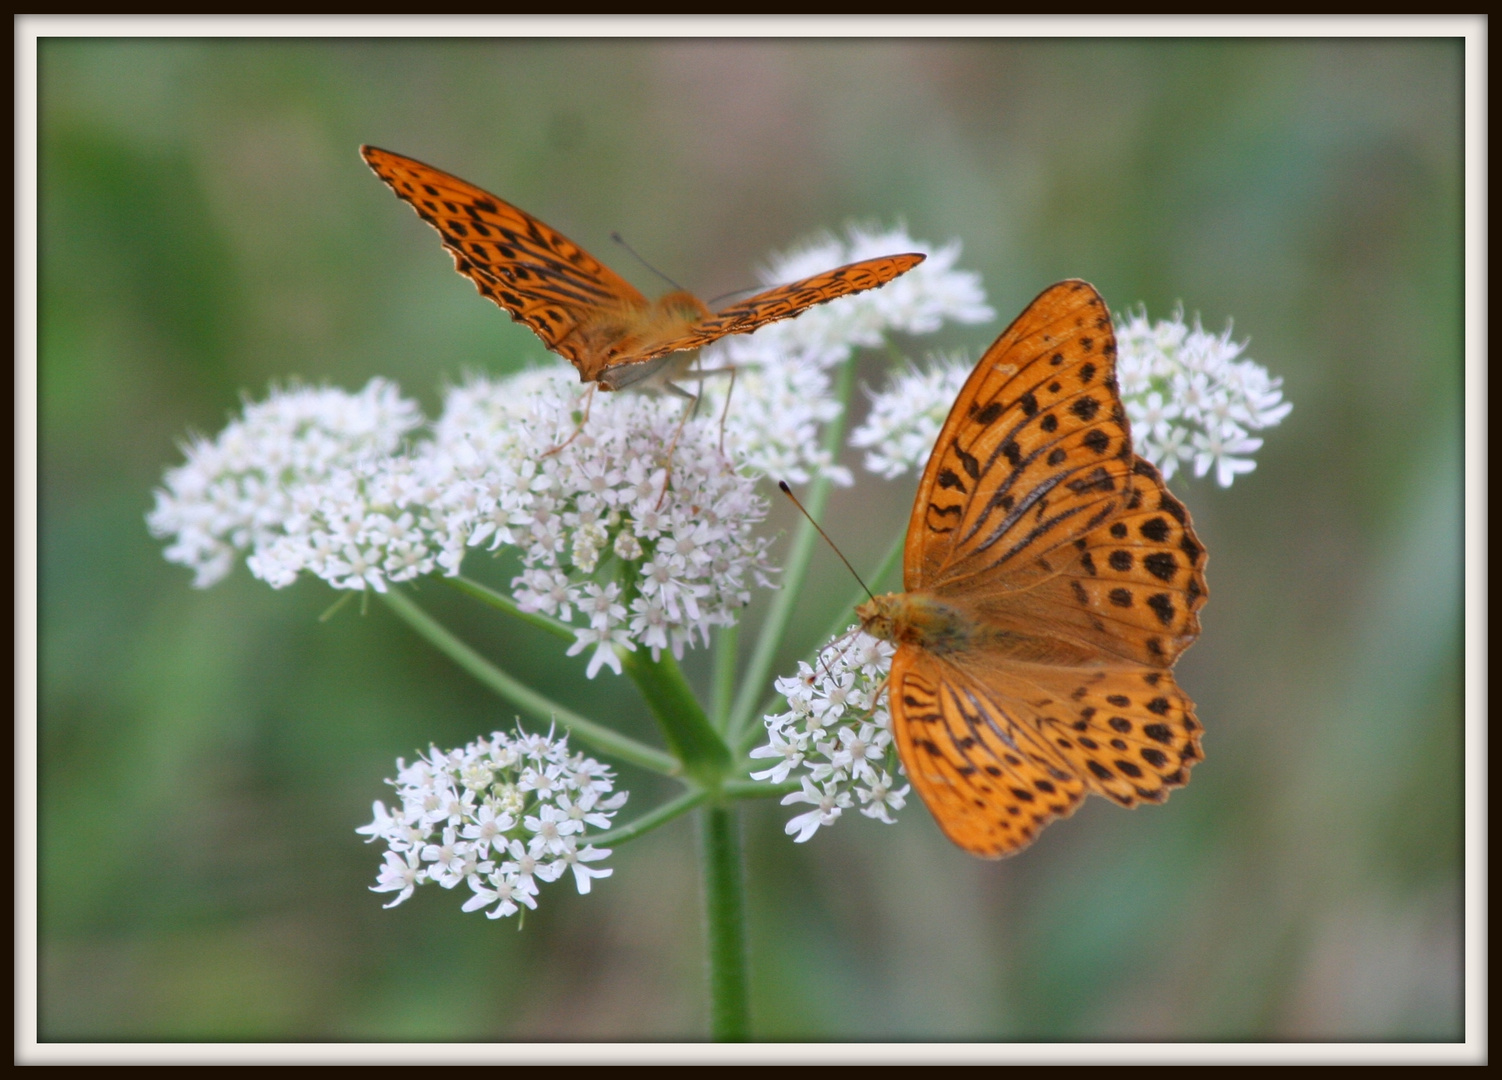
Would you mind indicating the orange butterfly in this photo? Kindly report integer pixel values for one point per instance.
(580, 308)
(1052, 581)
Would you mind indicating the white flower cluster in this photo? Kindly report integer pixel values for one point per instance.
(899, 432)
(501, 815)
(783, 393)
(1187, 395)
(836, 736)
(642, 547)
(235, 492)
(359, 527)
(1190, 399)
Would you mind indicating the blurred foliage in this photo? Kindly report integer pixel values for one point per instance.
(207, 228)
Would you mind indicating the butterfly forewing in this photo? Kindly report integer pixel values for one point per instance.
(541, 277)
(1036, 451)
(1136, 582)
(787, 301)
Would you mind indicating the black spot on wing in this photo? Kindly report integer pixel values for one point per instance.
(1155, 529)
(1085, 408)
(1162, 565)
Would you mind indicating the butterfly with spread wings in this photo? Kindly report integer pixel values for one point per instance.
(1052, 582)
(580, 308)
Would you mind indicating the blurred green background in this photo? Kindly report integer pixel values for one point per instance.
(207, 228)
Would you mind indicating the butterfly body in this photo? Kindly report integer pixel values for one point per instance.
(1052, 581)
(580, 308)
(952, 627)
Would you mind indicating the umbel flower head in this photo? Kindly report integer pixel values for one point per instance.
(235, 492)
(835, 737)
(642, 548)
(502, 816)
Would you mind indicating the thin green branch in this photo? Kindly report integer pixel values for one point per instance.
(796, 567)
(726, 643)
(649, 821)
(689, 734)
(500, 600)
(524, 697)
(756, 789)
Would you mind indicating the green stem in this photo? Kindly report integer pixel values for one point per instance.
(725, 655)
(649, 821)
(725, 923)
(524, 697)
(770, 639)
(687, 729)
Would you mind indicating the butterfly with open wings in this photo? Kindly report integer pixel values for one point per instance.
(580, 308)
(1051, 583)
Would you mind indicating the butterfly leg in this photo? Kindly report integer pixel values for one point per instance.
(688, 410)
(700, 374)
(844, 641)
(693, 405)
(725, 412)
(589, 400)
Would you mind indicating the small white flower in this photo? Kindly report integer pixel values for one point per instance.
(882, 796)
(789, 753)
(403, 872)
(1218, 446)
(828, 802)
(575, 859)
(604, 642)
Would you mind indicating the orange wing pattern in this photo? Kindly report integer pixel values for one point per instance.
(787, 301)
(540, 276)
(579, 307)
(1035, 451)
(1052, 582)
(979, 763)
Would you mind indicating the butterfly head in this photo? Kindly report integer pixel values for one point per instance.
(877, 617)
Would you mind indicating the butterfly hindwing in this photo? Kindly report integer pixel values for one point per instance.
(978, 761)
(1130, 733)
(1035, 453)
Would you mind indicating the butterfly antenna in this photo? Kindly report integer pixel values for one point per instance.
(789, 493)
(621, 240)
(733, 292)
